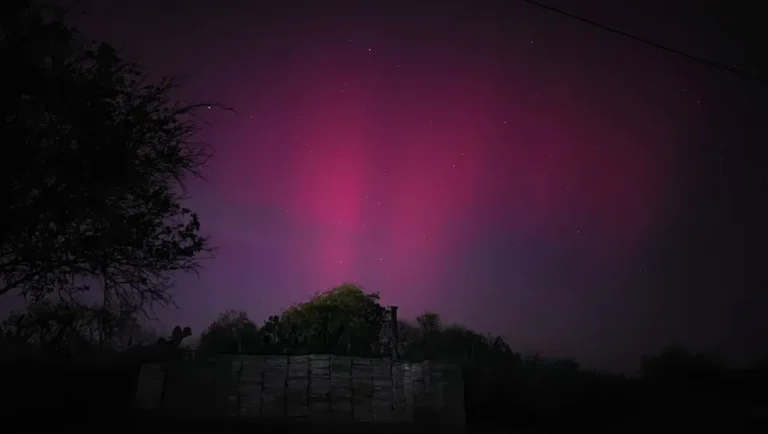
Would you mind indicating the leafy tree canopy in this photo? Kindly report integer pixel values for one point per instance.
(343, 320)
(232, 332)
(96, 158)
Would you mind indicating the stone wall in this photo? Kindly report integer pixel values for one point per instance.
(322, 388)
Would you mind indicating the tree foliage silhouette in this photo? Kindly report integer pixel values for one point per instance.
(343, 320)
(232, 332)
(96, 158)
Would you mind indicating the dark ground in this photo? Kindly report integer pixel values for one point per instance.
(98, 397)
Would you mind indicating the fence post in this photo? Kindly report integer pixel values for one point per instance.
(395, 333)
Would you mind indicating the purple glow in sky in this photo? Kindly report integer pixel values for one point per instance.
(511, 169)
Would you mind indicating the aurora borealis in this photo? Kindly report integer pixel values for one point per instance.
(515, 171)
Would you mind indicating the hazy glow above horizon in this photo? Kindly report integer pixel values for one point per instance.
(517, 172)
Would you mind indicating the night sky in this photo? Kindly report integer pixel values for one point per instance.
(517, 171)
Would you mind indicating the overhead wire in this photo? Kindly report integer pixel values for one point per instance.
(717, 65)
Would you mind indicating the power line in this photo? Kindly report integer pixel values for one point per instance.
(707, 62)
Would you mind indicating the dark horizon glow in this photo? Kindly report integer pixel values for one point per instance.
(519, 173)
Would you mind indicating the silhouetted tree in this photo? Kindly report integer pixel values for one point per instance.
(92, 178)
(273, 333)
(677, 365)
(232, 332)
(343, 320)
(177, 336)
(409, 335)
(64, 328)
